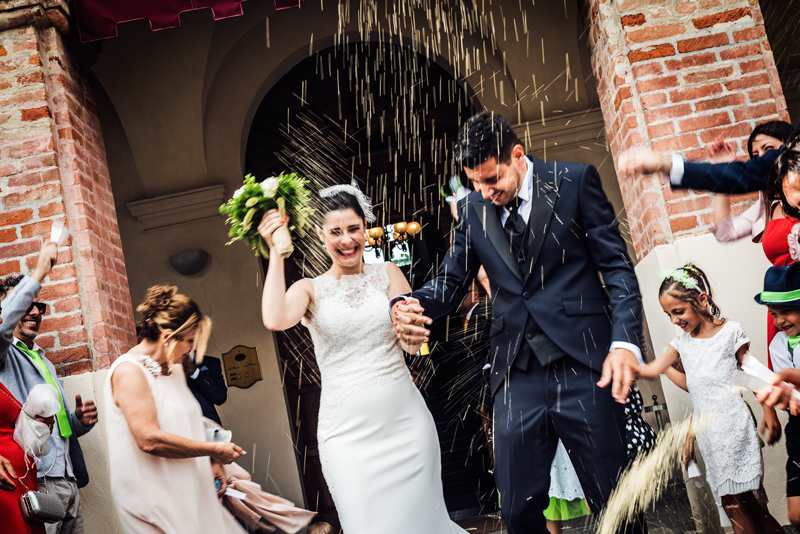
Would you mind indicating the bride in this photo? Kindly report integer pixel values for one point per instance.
(377, 440)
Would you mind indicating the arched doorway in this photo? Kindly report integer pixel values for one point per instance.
(386, 116)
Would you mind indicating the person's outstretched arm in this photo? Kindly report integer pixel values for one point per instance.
(16, 303)
(730, 178)
(658, 366)
(725, 227)
(780, 393)
(281, 309)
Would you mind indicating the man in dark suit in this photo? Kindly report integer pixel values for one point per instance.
(545, 234)
(733, 177)
(207, 385)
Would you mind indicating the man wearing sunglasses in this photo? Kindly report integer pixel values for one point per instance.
(23, 365)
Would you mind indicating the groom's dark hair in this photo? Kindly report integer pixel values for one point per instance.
(484, 136)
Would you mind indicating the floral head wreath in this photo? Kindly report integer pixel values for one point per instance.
(682, 277)
(352, 189)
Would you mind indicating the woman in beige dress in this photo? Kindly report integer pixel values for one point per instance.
(162, 469)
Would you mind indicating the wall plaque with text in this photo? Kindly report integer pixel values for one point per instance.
(241, 366)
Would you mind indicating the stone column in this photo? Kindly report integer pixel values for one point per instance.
(675, 76)
(53, 166)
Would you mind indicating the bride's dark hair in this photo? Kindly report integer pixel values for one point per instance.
(337, 202)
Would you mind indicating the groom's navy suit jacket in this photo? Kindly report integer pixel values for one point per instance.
(573, 239)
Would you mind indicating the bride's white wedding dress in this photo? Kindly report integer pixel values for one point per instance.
(377, 440)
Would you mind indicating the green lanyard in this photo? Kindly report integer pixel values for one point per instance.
(63, 419)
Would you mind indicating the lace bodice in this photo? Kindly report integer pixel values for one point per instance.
(725, 431)
(354, 341)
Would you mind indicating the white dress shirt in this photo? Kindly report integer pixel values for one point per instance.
(781, 355)
(676, 173)
(525, 193)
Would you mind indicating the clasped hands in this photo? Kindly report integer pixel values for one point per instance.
(410, 325)
(620, 367)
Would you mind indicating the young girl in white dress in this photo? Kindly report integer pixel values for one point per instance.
(711, 350)
(377, 440)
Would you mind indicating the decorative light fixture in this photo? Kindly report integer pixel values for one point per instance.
(401, 232)
(375, 237)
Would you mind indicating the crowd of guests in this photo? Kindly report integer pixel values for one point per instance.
(160, 402)
(711, 348)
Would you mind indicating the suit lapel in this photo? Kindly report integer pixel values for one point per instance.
(543, 200)
(490, 220)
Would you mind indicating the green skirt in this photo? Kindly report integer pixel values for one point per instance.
(561, 510)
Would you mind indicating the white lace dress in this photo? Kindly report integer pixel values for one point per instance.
(377, 440)
(726, 436)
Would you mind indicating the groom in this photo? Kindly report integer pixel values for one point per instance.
(566, 305)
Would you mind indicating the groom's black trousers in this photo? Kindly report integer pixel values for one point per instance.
(532, 410)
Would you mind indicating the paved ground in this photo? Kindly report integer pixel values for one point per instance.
(671, 515)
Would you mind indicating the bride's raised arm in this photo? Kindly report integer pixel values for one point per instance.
(281, 309)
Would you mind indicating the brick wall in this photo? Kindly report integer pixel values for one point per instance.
(675, 76)
(53, 166)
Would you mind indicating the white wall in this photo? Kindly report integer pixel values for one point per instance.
(98, 508)
(736, 272)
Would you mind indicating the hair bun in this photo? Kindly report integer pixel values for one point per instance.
(158, 298)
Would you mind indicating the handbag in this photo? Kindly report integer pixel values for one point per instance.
(41, 506)
(37, 505)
